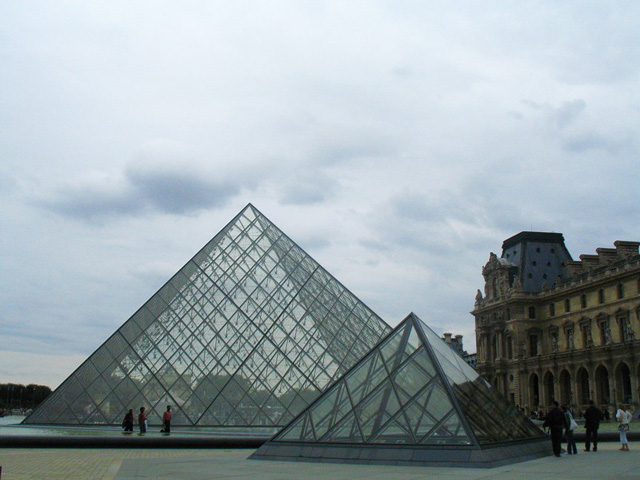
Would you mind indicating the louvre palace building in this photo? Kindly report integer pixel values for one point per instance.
(552, 328)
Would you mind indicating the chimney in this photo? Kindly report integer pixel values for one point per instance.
(626, 249)
(574, 268)
(589, 261)
(607, 255)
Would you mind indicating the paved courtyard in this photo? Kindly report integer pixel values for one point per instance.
(124, 464)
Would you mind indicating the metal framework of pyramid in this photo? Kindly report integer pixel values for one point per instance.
(246, 334)
(410, 401)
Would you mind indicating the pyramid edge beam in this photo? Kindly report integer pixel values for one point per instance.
(447, 385)
(418, 322)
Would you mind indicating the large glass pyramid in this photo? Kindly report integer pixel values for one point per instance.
(410, 400)
(247, 333)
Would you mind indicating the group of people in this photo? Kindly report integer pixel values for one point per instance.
(127, 423)
(560, 418)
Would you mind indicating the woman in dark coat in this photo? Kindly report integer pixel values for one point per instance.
(127, 423)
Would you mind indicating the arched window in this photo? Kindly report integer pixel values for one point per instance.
(534, 390)
(584, 395)
(550, 394)
(624, 324)
(623, 383)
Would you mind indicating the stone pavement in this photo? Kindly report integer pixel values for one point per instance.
(125, 464)
(77, 463)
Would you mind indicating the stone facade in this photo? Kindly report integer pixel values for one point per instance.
(455, 343)
(551, 328)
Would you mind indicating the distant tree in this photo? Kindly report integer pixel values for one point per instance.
(14, 395)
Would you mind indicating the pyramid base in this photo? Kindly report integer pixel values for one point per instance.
(427, 456)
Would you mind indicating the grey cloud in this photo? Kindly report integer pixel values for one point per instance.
(160, 178)
(351, 145)
(562, 116)
(582, 142)
(180, 191)
(375, 245)
(305, 188)
(88, 202)
(315, 243)
(7, 183)
(568, 112)
(435, 208)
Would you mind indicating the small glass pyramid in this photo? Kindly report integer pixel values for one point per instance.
(411, 390)
(247, 333)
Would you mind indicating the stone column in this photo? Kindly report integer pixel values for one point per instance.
(634, 388)
(573, 383)
(613, 394)
(556, 385)
(593, 394)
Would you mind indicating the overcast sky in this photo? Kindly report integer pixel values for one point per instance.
(397, 142)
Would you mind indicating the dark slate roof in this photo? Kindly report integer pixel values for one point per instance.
(541, 257)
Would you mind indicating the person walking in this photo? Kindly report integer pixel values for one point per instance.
(142, 421)
(166, 421)
(571, 443)
(127, 423)
(556, 421)
(592, 418)
(623, 417)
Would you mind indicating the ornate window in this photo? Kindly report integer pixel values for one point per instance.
(624, 322)
(606, 338)
(553, 335)
(585, 327)
(535, 348)
(568, 332)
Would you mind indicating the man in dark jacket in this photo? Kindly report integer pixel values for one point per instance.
(556, 421)
(592, 417)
